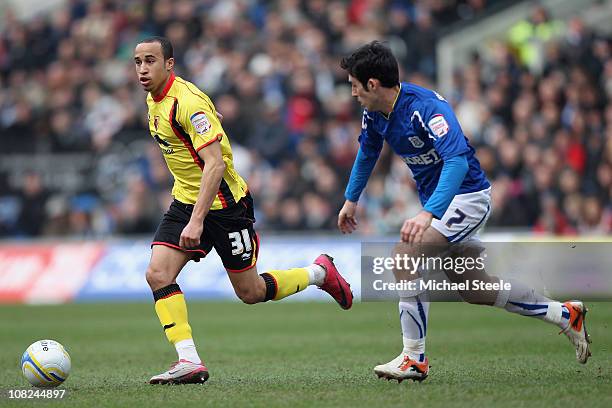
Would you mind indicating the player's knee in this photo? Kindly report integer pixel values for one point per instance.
(156, 278)
(478, 298)
(249, 296)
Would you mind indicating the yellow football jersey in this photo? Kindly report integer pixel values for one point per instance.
(183, 120)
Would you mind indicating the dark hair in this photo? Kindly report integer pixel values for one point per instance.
(166, 45)
(373, 60)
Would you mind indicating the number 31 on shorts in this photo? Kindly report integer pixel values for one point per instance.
(241, 241)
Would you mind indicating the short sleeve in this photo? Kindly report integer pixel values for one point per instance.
(443, 127)
(201, 122)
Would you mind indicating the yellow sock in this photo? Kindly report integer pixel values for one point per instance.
(283, 283)
(172, 312)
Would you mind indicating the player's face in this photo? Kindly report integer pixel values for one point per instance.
(367, 99)
(152, 70)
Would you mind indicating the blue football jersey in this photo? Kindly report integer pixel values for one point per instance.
(424, 131)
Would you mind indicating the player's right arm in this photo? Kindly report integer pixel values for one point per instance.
(201, 122)
(370, 145)
(212, 173)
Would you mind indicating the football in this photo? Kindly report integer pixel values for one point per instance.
(45, 364)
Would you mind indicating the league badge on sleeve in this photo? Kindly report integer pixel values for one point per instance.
(200, 123)
(438, 125)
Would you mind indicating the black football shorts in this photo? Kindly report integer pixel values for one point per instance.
(229, 230)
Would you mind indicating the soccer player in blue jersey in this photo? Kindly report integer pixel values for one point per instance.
(419, 125)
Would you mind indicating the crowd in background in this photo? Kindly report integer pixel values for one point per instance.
(539, 109)
(70, 100)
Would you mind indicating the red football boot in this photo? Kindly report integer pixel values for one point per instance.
(334, 283)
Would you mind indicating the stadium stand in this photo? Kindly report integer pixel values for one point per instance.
(77, 161)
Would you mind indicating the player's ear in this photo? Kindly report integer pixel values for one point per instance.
(371, 85)
(169, 64)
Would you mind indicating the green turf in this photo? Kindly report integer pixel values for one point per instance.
(312, 354)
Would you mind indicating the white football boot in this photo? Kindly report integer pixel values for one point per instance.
(182, 372)
(576, 330)
(402, 368)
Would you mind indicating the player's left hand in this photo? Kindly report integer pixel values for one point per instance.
(413, 228)
(190, 237)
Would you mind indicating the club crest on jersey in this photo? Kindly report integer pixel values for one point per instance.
(416, 141)
(438, 125)
(200, 123)
(156, 122)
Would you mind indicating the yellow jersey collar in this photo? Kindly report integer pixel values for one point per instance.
(394, 102)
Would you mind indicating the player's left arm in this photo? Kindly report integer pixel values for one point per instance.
(202, 124)
(443, 127)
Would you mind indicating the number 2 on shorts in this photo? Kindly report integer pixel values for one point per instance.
(458, 219)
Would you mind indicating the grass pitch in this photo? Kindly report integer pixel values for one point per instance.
(311, 354)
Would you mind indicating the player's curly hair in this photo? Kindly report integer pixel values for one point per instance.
(373, 60)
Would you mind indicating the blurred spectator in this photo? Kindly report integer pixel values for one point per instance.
(32, 215)
(549, 172)
(137, 213)
(530, 36)
(537, 109)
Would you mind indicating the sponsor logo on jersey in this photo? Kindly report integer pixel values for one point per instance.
(431, 157)
(161, 141)
(165, 146)
(416, 141)
(438, 125)
(200, 123)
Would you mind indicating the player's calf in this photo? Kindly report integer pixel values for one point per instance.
(253, 294)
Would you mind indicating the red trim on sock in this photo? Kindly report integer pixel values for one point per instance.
(171, 294)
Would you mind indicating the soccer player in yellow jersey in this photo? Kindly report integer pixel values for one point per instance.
(212, 207)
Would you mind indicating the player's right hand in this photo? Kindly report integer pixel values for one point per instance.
(346, 218)
(190, 236)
